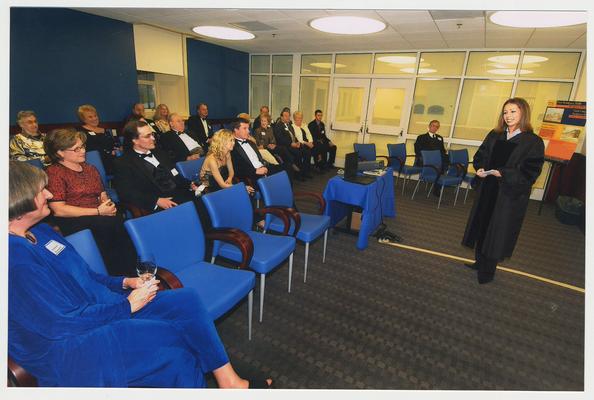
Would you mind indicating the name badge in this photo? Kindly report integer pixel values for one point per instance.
(55, 247)
(438, 138)
(322, 131)
(286, 128)
(174, 172)
(263, 133)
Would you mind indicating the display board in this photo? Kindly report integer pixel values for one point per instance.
(563, 124)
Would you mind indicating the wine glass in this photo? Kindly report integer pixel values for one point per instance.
(146, 268)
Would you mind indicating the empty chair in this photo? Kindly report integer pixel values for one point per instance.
(397, 156)
(94, 158)
(190, 169)
(459, 161)
(431, 172)
(276, 191)
(36, 162)
(174, 237)
(231, 208)
(367, 156)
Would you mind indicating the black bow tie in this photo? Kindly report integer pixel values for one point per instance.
(179, 132)
(143, 156)
(241, 141)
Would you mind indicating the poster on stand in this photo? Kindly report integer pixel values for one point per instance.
(563, 123)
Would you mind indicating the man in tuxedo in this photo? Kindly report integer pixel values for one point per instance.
(318, 132)
(284, 135)
(431, 141)
(138, 114)
(199, 127)
(145, 176)
(180, 145)
(248, 164)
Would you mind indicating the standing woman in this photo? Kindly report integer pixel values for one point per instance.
(98, 138)
(507, 163)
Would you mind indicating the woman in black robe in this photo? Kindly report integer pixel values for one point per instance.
(507, 164)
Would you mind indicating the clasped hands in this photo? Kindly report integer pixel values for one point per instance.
(481, 173)
(142, 293)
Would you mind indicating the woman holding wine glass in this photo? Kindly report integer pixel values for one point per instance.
(72, 327)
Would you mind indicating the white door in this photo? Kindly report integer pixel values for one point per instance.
(388, 109)
(349, 100)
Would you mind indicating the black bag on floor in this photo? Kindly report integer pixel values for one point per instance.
(568, 210)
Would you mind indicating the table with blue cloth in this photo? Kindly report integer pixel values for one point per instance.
(376, 200)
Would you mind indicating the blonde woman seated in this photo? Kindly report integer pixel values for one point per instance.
(217, 171)
(160, 118)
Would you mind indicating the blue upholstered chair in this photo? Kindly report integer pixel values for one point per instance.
(94, 158)
(277, 192)
(85, 246)
(231, 208)
(36, 162)
(459, 162)
(190, 169)
(176, 240)
(431, 172)
(368, 157)
(397, 156)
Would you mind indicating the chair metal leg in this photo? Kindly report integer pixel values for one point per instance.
(257, 203)
(403, 184)
(262, 287)
(416, 187)
(306, 257)
(430, 190)
(212, 259)
(325, 242)
(397, 179)
(250, 312)
(440, 194)
(290, 270)
(466, 195)
(456, 197)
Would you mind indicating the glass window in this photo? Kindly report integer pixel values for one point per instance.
(434, 99)
(313, 95)
(387, 106)
(395, 63)
(352, 64)
(281, 94)
(316, 63)
(497, 63)
(282, 64)
(349, 104)
(538, 94)
(410, 149)
(441, 63)
(260, 88)
(260, 64)
(480, 106)
(549, 65)
(146, 94)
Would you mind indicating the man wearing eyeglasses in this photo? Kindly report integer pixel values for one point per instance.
(145, 176)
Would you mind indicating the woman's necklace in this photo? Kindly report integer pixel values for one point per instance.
(28, 235)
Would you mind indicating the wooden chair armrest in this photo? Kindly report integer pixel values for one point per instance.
(19, 376)
(437, 171)
(279, 212)
(460, 170)
(236, 237)
(294, 215)
(168, 279)
(384, 157)
(317, 196)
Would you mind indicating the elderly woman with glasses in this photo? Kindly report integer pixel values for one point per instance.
(80, 200)
(70, 326)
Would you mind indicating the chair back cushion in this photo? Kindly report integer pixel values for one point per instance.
(366, 151)
(84, 244)
(94, 158)
(397, 150)
(430, 157)
(190, 169)
(36, 162)
(174, 236)
(276, 190)
(457, 157)
(230, 208)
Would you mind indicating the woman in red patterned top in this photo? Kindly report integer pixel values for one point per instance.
(81, 202)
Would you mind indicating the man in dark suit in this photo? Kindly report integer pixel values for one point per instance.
(138, 114)
(318, 132)
(180, 145)
(284, 135)
(199, 127)
(431, 141)
(248, 164)
(145, 176)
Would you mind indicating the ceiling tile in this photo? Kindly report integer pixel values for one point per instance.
(454, 25)
(405, 16)
(407, 28)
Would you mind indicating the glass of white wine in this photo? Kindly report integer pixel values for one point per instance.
(146, 268)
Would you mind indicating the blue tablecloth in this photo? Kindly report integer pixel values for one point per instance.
(376, 199)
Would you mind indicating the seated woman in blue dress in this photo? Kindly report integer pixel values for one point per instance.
(69, 326)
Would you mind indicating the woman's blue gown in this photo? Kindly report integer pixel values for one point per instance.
(69, 326)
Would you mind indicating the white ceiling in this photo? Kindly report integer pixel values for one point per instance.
(406, 29)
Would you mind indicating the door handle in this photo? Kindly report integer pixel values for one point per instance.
(361, 129)
(367, 130)
(331, 128)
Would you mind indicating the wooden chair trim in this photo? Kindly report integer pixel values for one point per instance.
(236, 237)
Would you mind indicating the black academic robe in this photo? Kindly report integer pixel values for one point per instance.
(517, 177)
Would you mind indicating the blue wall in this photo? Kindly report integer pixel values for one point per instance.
(219, 77)
(60, 59)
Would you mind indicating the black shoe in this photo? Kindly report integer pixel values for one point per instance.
(485, 278)
(473, 266)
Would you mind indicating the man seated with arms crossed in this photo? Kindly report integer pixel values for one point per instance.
(146, 177)
(180, 145)
(247, 161)
(285, 137)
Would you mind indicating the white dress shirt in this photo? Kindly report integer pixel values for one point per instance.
(249, 150)
(514, 133)
(190, 143)
(299, 135)
(205, 125)
(151, 158)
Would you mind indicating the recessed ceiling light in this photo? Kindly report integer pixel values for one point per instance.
(513, 59)
(538, 19)
(223, 32)
(421, 70)
(398, 59)
(345, 25)
(509, 71)
(326, 65)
